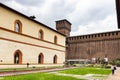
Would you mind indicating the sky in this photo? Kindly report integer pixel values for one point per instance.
(86, 16)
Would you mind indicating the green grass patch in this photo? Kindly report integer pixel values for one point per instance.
(30, 68)
(39, 76)
(83, 71)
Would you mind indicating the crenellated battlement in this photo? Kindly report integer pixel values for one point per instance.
(95, 37)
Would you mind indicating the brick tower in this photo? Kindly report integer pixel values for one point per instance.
(64, 27)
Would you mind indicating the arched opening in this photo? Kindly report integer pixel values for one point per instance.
(18, 57)
(55, 39)
(18, 26)
(55, 59)
(41, 34)
(41, 59)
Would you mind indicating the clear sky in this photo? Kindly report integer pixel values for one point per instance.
(86, 16)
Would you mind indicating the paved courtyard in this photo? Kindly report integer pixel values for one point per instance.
(116, 76)
(24, 66)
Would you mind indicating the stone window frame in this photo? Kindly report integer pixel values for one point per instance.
(55, 39)
(20, 26)
(41, 34)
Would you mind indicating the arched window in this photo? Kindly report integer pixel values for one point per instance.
(41, 34)
(55, 59)
(40, 58)
(55, 39)
(18, 57)
(18, 26)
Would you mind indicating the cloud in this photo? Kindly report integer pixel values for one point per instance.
(3, 1)
(86, 16)
(88, 11)
(108, 24)
(30, 2)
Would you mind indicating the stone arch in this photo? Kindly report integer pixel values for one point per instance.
(18, 26)
(41, 58)
(17, 57)
(41, 34)
(55, 59)
(55, 39)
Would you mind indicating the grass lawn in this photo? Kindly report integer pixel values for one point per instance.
(49, 76)
(39, 76)
(83, 71)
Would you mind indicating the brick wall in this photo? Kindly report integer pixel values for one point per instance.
(90, 46)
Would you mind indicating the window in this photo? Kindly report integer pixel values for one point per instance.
(41, 35)
(55, 39)
(18, 26)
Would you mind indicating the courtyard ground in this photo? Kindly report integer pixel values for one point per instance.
(55, 71)
(25, 65)
(116, 76)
